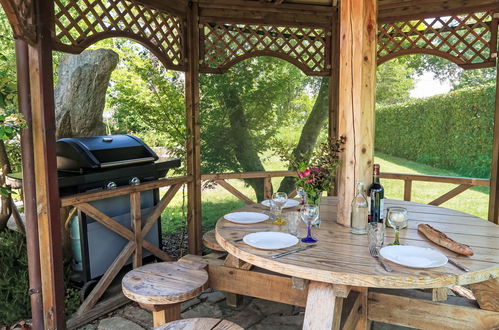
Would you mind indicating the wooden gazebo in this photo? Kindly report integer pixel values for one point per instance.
(343, 39)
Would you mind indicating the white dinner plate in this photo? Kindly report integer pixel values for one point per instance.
(413, 256)
(270, 240)
(246, 217)
(289, 203)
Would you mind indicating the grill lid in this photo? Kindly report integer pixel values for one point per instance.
(96, 152)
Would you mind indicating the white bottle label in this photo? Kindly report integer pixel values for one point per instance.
(368, 205)
(382, 208)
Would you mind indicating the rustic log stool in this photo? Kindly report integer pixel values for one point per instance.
(161, 287)
(200, 324)
(210, 241)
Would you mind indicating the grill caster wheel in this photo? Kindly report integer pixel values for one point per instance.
(86, 289)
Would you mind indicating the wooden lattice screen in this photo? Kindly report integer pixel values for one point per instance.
(225, 44)
(468, 40)
(80, 23)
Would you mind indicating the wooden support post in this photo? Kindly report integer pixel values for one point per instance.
(29, 187)
(334, 84)
(321, 311)
(494, 174)
(357, 75)
(137, 227)
(439, 294)
(47, 190)
(193, 134)
(407, 190)
(267, 188)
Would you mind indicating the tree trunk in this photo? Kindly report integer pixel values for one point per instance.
(246, 154)
(309, 133)
(5, 207)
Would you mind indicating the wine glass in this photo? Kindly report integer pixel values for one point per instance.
(302, 194)
(397, 218)
(309, 214)
(279, 199)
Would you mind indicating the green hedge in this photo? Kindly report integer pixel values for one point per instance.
(452, 131)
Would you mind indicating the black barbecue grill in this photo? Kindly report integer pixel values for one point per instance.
(106, 162)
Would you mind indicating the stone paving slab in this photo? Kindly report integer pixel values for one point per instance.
(253, 314)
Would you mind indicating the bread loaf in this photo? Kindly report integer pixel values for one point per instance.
(437, 237)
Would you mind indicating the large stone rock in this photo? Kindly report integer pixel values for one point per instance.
(203, 310)
(118, 323)
(81, 92)
(137, 315)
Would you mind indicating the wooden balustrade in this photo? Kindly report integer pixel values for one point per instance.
(135, 236)
(221, 178)
(463, 184)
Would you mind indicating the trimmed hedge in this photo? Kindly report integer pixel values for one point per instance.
(452, 131)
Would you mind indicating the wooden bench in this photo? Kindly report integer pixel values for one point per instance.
(161, 287)
(210, 241)
(200, 324)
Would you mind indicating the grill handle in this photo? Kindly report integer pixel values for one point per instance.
(127, 162)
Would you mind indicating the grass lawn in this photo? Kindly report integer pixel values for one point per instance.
(216, 201)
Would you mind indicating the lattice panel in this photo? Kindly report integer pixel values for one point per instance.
(79, 23)
(226, 44)
(469, 40)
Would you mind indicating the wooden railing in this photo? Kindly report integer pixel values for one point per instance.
(221, 179)
(135, 236)
(463, 184)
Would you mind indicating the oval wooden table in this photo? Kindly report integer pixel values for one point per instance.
(341, 259)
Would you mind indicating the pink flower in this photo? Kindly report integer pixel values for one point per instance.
(310, 180)
(304, 173)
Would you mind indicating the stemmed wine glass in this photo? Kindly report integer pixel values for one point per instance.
(302, 194)
(309, 214)
(397, 217)
(279, 199)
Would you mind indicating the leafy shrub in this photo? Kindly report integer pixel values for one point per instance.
(14, 283)
(452, 131)
(14, 300)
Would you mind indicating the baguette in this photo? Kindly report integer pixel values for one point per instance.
(437, 237)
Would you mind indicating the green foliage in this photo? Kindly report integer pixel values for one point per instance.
(452, 131)
(268, 90)
(393, 82)
(14, 303)
(146, 99)
(14, 284)
(319, 174)
(474, 78)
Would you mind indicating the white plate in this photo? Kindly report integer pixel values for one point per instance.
(246, 217)
(270, 240)
(413, 256)
(289, 203)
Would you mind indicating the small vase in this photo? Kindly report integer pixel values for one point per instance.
(314, 199)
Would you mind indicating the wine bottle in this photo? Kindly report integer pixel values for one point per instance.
(376, 198)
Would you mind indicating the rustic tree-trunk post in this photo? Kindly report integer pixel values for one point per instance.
(334, 86)
(357, 74)
(47, 190)
(29, 189)
(193, 133)
(494, 174)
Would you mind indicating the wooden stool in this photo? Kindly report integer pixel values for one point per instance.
(161, 287)
(200, 324)
(210, 241)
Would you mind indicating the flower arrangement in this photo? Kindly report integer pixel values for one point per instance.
(319, 174)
